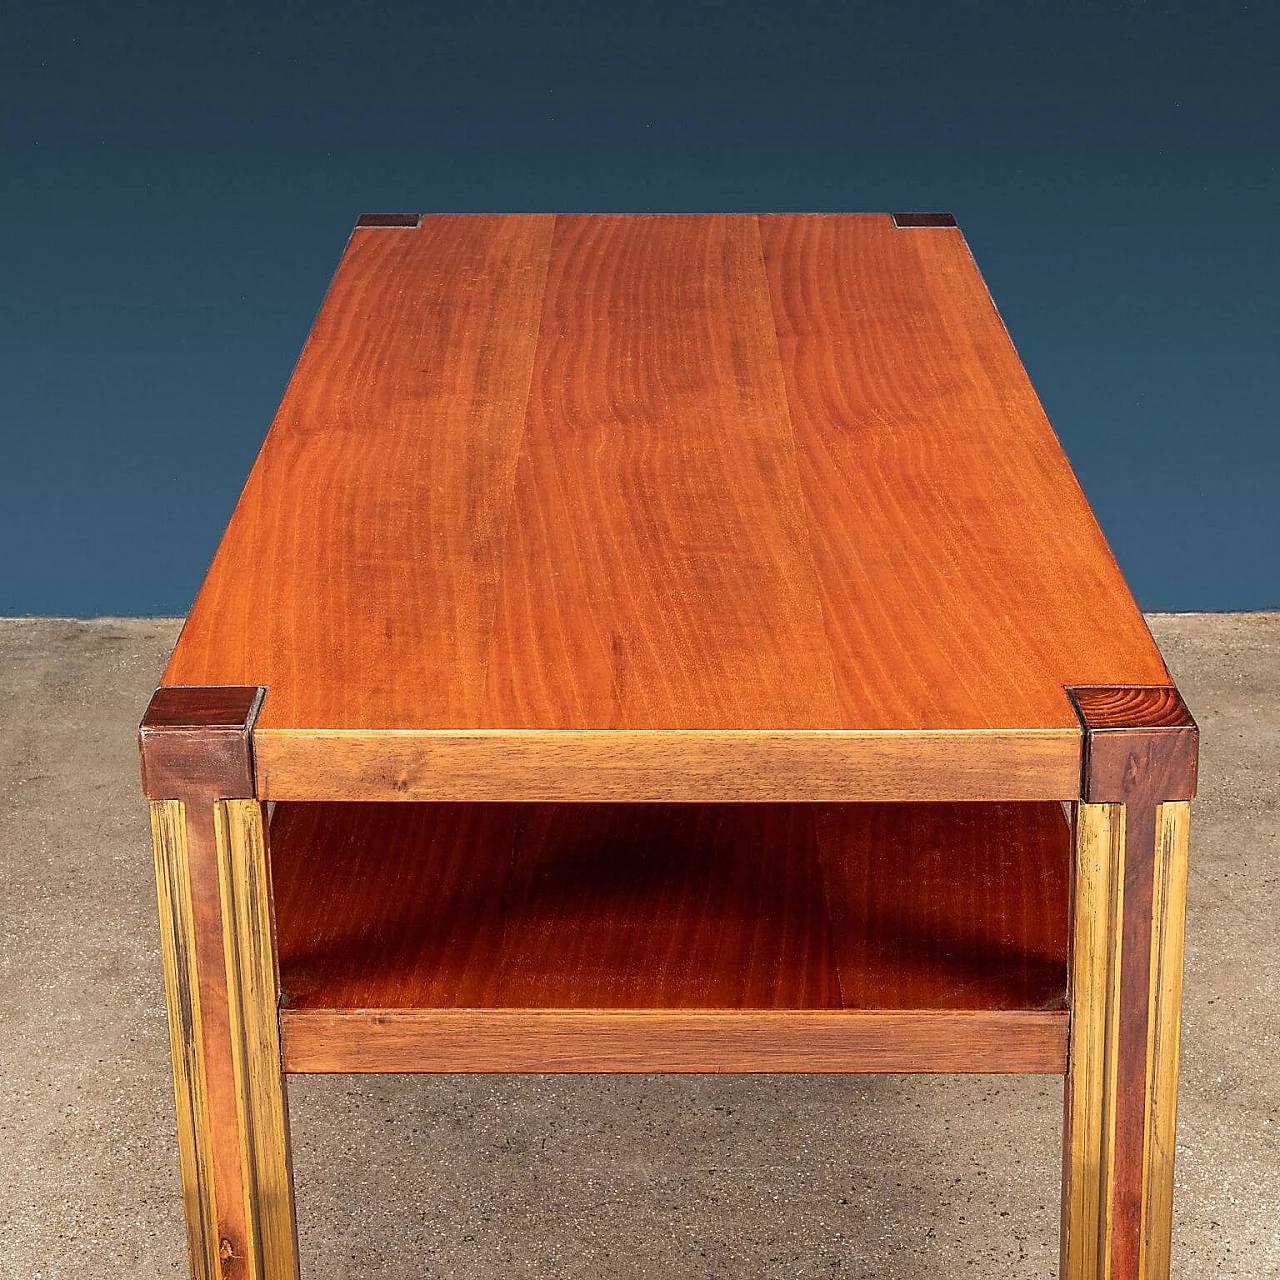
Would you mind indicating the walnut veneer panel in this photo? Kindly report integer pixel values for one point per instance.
(674, 1040)
(658, 571)
(948, 905)
(625, 906)
(778, 476)
(359, 571)
(963, 576)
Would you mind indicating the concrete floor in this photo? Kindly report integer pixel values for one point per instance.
(887, 1177)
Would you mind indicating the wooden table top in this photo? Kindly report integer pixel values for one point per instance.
(548, 494)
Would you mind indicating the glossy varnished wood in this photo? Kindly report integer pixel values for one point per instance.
(216, 940)
(670, 511)
(673, 1041)
(578, 912)
(220, 986)
(189, 840)
(360, 568)
(198, 740)
(1138, 742)
(537, 480)
(658, 572)
(947, 906)
(658, 765)
(962, 574)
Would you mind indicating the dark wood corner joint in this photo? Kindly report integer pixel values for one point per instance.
(1138, 740)
(389, 220)
(199, 739)
(924, 219)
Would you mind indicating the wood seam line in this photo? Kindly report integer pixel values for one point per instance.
(182, 994)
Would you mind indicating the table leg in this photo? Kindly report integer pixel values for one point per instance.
(222, 993)
(1122, 1076)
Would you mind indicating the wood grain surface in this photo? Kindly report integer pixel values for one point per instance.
(1137, 741)
(668, 765)
(947, 905)
(198, 739)
(360, 567)
(658, 573)
(962, 573)
(673, 1041)
(500, 909)
(772, 476)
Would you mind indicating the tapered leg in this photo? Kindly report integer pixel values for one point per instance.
(1122, 1080)
(222, 995)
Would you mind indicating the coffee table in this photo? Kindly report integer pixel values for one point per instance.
(662, 644)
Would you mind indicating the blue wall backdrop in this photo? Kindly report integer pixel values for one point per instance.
(177, 185)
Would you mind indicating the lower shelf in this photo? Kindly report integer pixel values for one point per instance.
(581, 937)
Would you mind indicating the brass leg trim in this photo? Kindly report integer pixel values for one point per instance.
(1092, 1055)
(1173, 821)
(253, 989)
(186, 1049)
